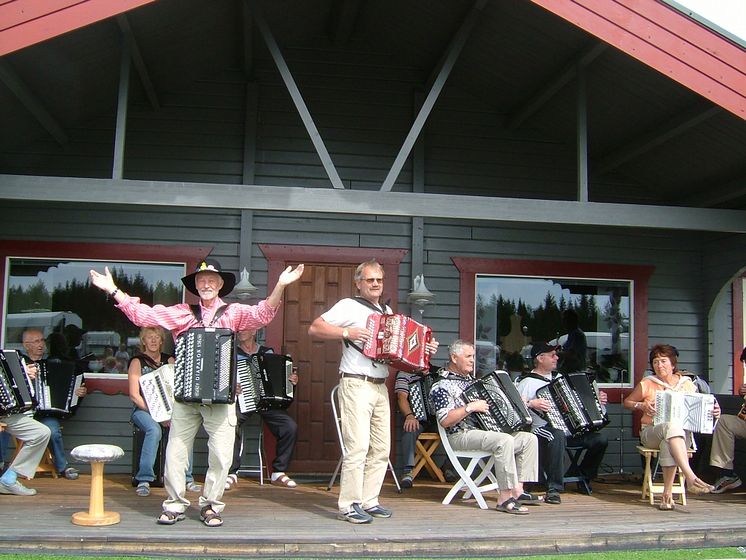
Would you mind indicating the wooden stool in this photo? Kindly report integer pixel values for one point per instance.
(46, 465)
(650, 487)
(96, 455)
(427, 443)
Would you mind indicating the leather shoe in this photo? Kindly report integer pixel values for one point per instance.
(16, 488)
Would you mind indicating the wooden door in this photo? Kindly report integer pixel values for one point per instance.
(322, 285)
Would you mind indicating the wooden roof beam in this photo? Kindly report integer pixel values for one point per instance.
(673, 127)
(137, 60)
(342, 19)
(448, 61)
(295, 94)
(456, 208)
(539, 98)
(30, 100)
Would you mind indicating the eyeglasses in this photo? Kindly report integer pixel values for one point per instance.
(372, 280)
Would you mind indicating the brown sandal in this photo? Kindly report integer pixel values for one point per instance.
(210, 517)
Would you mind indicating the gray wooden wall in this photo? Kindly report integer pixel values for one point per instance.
(363, 112)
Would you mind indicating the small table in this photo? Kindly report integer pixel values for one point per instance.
(427, 443)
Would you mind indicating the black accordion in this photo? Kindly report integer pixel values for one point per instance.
(56, 387)
(16, 389)
(265, 382)
(507, 412)
(575, 408)
(205, 369)
(419, 398)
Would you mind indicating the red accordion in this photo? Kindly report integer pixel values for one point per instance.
(398, 341)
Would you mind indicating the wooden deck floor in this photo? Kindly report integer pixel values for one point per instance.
(277, 522)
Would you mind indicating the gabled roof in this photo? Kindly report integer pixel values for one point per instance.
(26, 22)
(668, 41)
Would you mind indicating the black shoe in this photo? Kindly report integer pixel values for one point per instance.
(552, 497)
(450, 475)
(406, 481)
(70, 473)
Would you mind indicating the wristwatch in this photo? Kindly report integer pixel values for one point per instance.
(467, 409)
(345, 334)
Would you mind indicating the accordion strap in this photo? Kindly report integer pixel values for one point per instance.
(532, 375)
(197, 312)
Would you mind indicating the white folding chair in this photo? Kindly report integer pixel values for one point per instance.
(338, 424)
(480, 462)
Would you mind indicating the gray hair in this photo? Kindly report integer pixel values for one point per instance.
(373, 263)
(457, 347)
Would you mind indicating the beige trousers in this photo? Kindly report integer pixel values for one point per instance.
(727, 429)
(656, 437)
(366, 424)
(219, 421)
(516, 456)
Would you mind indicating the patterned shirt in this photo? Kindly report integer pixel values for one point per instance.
(446, 396)
(179, 318)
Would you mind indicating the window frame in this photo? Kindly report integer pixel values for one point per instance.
(638, 275)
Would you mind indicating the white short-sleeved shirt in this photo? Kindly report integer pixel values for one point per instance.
(348, 313)
(527, 387)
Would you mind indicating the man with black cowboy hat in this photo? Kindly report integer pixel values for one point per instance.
(210, 282)
(552, 442)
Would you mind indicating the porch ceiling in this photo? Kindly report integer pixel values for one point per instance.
(519, 59)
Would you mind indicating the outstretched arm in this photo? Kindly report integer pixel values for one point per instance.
(288, 276)
(105, 282)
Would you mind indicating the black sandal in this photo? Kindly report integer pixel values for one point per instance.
(171, 517)
(208, 515)
(512, 506)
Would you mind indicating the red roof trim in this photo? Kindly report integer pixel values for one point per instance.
(667, 41)
(26, 22)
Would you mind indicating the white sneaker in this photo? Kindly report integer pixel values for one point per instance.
(193, 486)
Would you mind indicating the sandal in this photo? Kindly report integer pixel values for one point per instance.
(231, 481)
(529, 499)
(699, 486)
(210, 517)
(170, 517)
(666, 503)
(512, 506)
(284, 480)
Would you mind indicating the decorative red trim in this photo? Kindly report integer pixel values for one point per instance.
(190, 255)
(280, 257)
(640, 275)
(26, 22)
(666, 40)
(737, 328)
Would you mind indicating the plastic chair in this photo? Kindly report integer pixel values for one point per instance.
(480, 463)
(338, 424)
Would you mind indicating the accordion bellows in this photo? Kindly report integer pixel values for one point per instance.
(157, 389)
(507, 412)
(265, 382)
(575, 407)
(56, 387)
(692, 411)
(205, 369)
(399, 341)
(16, 390)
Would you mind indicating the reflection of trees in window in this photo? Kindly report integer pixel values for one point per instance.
(512, 324)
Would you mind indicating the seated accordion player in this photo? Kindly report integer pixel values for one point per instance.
(205, 369)
(16, 389)
(56, 387)
(265, 382)
(157, 388)
(575, 407)
(507, 412)
(399, 341)
(692, 411)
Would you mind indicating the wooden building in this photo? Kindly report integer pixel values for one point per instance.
(598, 139)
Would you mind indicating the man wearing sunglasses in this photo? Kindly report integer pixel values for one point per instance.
(363, 397)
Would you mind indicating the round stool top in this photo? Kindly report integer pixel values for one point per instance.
(97, 453)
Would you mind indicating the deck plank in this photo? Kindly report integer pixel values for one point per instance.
(272, 521)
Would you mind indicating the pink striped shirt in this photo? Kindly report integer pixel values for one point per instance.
(179, 318)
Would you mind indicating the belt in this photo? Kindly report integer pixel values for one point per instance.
(376, 380)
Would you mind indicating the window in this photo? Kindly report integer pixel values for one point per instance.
(589, 318)
(610, 299)
(48, 287)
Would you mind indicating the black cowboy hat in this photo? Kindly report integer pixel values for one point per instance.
(210, 265)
